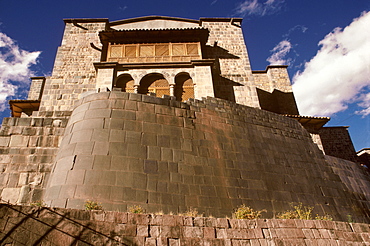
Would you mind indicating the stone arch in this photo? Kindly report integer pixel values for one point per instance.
(125, 82)
(184, 87)
(154, 83)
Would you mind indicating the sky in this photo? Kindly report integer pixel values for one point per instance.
(325, 43)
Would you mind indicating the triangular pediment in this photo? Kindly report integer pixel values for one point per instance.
(154, 22)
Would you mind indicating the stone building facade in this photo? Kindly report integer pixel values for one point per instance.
(167, 113)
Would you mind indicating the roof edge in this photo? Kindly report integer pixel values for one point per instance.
(86, 20)
(151, 17)
(268, 67)
(220, 19)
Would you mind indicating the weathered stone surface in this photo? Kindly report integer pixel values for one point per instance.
(64, 226)
(210, 166)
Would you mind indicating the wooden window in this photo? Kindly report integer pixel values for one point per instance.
(146, 50)
(116, 51)
(162, 50)
(178, 50)
(130, 51)
(158, 52)
(192, 49)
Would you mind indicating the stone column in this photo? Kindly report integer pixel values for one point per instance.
(105, 75)
(172, 90)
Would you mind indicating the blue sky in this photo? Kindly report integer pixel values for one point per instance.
(325, 43)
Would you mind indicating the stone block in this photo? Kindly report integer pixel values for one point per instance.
(166, 154)
(83, 148)
(88, 124)
(100, 104)
(114, 124)
(84, 191)
(59, 179)
(119, 95)
(5, 159)
(19, 141)
(25, 194)
(209, 232)
(83, 162)
(136, 150)
(65, 163)
(102, 192)
(193, 232)
(131, 105)
(150, 242)
(171, 231)
(133, 137)
(67, 192)
(101, 148)
(97, 113)
(150, 167)
(174, 242)
(360, 227)
(23, 178)
(81, 136)
(102, 162)
(135, 97)
(287, 233)
(146, 116)
(4, 141)
(10, 194)
(154, 152)
(142, 230)
(75, 177)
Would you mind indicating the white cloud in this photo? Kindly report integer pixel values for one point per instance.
(14, 68)
(257, 7)
(365, 104)
(122, 8)
(339, 72)
(299, 28)
(279, 53)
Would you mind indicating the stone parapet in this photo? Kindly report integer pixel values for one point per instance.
(51, 226)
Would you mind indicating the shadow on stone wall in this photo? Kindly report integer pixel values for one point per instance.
(39, 225)
(23, 225)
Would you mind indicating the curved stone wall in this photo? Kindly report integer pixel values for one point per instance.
(124, 149)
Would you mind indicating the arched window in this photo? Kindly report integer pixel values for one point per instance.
(154, 83)
(125, 82)
(184, 87)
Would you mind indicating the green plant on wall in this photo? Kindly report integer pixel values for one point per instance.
(92, 205)
(245, 212)
(324, 217)
(298, 212)
(136, 209)
(40, 203)
(350, 219)
(192, 212)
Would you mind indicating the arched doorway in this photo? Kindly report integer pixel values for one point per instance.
(154, 83)
(125, 82)
(184, 87)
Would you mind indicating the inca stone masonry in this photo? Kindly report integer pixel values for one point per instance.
(167, 113)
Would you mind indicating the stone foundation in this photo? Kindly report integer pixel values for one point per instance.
(51, 226)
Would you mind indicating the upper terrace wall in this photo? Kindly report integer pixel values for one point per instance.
(233, 78)
(27, 150)
(73, 71)
(123, 149)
